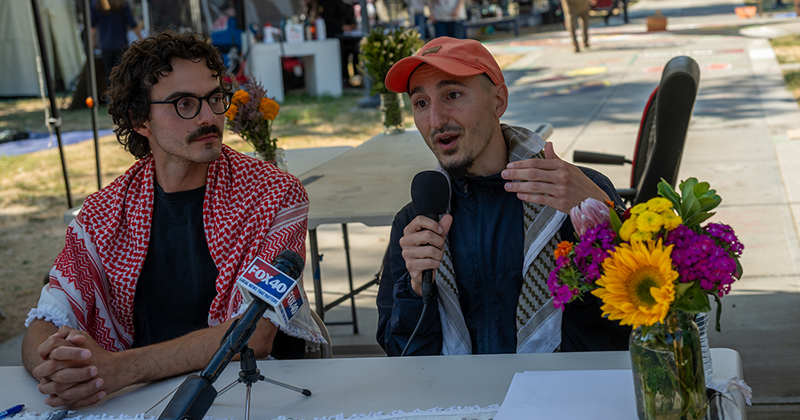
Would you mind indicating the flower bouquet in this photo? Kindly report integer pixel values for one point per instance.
(654, 267)
(251, 115)
(379, 51)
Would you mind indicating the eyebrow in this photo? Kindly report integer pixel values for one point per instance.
(441, 84)
(179, 94)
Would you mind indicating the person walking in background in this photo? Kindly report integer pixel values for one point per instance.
(111, 20)
(416, 13)
(448, 17)
(574, 9)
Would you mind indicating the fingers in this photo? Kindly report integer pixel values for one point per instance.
(80, 396)
(423, 244)
(550, 181)
(56, 340)
(64, 381)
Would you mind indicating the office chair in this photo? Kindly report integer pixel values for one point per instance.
(662, 133)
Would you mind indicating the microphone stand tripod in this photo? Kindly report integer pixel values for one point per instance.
(250, 375)
(196, 395)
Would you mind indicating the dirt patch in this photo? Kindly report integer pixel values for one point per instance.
(787, 53)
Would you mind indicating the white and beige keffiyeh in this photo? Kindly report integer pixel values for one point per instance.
(538, 321)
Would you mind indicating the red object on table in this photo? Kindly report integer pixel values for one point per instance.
(602, 4)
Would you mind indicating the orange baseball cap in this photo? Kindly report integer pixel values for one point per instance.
(459, 57)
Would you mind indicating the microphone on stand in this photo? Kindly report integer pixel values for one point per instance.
(430, 194)
(278, 296)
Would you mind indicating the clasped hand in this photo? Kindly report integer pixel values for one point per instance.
(76, 371)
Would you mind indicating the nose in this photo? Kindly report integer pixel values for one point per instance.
(206, 116)
(437, 115)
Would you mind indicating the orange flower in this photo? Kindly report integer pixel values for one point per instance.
(232, 111)
(269, 109)
(240, 97)
(563, 249)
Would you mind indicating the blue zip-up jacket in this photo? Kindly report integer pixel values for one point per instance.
(486, 241)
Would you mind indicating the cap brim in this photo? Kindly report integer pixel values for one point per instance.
(398, 75)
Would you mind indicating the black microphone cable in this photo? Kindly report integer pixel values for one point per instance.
(430, 194)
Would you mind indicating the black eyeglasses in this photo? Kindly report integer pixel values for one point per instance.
(189, 106)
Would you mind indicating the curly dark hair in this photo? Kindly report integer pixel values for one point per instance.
(140, 67)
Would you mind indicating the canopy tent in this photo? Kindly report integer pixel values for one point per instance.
(19, 47)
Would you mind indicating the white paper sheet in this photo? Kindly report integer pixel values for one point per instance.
(570, 394)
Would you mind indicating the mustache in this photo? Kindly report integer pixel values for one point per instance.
(455, 128)
(203, 131)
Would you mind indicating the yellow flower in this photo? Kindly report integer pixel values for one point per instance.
(269, 109)
(563, 249)
(638, 284)
(671, 220)
(648, 221)
(231, 112)
(241, 97)
(659, 204)
(641, 236)
(639, 208)
(628, 228)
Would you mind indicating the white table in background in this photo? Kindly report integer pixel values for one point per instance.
(358, 385)
(323, 68)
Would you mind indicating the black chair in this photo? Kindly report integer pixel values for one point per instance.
(662, 133)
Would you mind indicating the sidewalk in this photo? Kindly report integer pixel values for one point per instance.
(743, 139)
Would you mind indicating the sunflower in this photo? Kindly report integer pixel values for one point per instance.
(637, 286)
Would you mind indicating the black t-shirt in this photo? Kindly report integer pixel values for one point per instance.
(177, 281)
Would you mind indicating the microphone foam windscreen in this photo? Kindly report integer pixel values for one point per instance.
(291, 261)
(430, 192)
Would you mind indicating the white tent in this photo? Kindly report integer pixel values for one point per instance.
(19, 47)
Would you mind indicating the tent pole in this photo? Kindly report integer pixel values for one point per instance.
(91, 77)
(55, 120)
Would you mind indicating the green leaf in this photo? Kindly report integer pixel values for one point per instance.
(616, 223)
(701, 188)
(690, 206)
(719, 313)
(693, 300)
(665, 190)
(697, 219)
(709, 203)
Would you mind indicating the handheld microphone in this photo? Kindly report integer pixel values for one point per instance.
(430, 194)
(196, 395)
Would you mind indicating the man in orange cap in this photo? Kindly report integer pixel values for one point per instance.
(493, 251)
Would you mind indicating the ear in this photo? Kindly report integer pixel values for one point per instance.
(501, 100)
(143, 128)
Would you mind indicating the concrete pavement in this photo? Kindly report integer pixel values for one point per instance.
(744, 139)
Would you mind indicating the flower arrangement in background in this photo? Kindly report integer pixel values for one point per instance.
(653, 259)
(381, 48)
(251, 115)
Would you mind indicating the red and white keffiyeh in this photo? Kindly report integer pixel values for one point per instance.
(250, 209)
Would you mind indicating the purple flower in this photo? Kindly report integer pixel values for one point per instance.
(698, 257)
(593, 249)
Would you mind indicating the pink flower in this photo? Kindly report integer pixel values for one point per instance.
(588, 214)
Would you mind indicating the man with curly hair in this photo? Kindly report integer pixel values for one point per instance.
(145, 287)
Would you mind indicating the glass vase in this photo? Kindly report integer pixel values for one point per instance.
(276, 157)
(667, 368)
(392, 113)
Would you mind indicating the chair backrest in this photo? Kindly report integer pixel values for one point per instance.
(325, 350)
(662, 134)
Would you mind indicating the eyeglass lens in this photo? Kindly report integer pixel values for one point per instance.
(189, 106)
